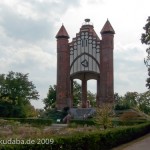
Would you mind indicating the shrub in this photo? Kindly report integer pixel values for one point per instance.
(94, 140)
(131, 117)
(72, 125)
(54, 114)
(83, 122)
(126, 116)
(127, 123)
(104, 115)
(3, 122)
(32, 121)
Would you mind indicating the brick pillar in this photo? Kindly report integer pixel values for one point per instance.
(71, 92)
(84, 93)
(98, 92)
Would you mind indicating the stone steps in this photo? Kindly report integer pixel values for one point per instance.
(80, 113)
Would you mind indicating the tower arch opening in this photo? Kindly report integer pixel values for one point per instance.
(76, 96)
(92, 93)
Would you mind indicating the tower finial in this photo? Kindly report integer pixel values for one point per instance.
(87, 20)
(107, 28)
(62, 33)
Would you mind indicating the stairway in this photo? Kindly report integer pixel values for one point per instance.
(81, 113)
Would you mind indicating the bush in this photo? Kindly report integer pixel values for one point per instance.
(127, 123)
(72, 125)
(83, 122)
(104, 114)
(131, 118)
(127, 116)
(32, 121)
(94, 140)
(8, 110)
(122, 107)
(54, 114)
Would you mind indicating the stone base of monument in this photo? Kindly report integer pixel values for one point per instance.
(82, 113)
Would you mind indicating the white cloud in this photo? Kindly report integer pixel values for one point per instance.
(28, 44)
(130, 71)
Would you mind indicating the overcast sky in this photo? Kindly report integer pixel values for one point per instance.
(28, 44)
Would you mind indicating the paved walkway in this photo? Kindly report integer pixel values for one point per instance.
(142, 143)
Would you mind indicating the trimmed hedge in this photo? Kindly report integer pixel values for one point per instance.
(128, 123)
(32, 121)
(94, 140)
(114, 122)
(83, 122)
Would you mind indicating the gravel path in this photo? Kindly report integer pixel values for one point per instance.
(142, 143)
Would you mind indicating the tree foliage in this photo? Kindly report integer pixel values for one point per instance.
(145, 39)
(92, 98)
(104, 115)
(133, 100)
(76, 93)
(144, 102)
(127, 101)
(16, 91)
(50, 100)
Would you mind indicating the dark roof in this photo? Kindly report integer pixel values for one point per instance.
(107, 28)
(62, 33)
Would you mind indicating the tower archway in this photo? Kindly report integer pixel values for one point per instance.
(92, 92)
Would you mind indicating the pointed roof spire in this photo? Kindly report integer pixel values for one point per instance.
(107, 28)
(62, 33)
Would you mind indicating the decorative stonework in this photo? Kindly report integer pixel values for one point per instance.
(85, 63)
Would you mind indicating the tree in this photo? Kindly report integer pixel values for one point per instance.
(133, 100)
(16, 91)
(92, 98)
(144, 102)
(129, 100)
(104, 115)
(76, 93)
(145, 39)
(118, 102)
(50, 100)
(30, 111)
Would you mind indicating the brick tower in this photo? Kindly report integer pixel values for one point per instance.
(63, 76)
(85, 57)
(106, 64)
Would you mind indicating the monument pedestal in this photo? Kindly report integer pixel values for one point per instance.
(81, 113)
